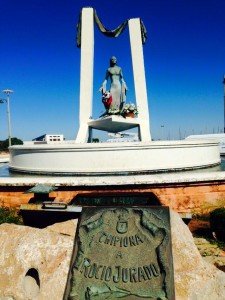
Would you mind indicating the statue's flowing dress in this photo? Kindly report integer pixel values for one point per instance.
(117, 89)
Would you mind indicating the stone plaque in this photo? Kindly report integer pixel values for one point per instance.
(122, 253)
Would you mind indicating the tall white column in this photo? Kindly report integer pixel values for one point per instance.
(224, 102)
(139, 78)
(86, 73)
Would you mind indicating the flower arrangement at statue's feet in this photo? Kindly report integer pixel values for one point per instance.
(129, 110)
(126, 110)
(107, 101)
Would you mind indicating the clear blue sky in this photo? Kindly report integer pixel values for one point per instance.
(184, 63)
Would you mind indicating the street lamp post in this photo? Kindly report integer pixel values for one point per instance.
(162, 133)
(8, 92)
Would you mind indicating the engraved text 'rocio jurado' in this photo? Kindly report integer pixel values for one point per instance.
(122, 253)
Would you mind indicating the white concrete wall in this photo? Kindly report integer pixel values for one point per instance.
(139, 78)
(114, 158)
(86, 73)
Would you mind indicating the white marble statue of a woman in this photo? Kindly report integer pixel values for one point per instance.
(118, 86)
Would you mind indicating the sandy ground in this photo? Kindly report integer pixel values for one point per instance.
(4, 157)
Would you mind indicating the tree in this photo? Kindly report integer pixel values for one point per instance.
(95, 140)
(4, 145)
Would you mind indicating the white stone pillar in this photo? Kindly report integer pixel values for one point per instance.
(139, 78)
(86, 73)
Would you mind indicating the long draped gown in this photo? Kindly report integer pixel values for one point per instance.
(117, 88)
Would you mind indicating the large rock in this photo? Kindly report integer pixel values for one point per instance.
(34, 263)
(195, 279)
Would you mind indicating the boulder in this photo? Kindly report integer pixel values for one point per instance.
(34, 263)
(195, 278)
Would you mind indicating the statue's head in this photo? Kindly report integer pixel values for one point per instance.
(113, 60)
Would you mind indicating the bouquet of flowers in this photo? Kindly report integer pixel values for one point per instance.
(107, 99)
(129, 108)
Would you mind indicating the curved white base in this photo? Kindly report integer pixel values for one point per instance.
(108, 158)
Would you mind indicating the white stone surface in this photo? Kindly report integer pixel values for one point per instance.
(178, 177)
(113, 180)
(139, 77)
(86, 73)
(219, 137)
(114, 123)
(109, 158)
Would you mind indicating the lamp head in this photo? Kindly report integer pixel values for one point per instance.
(7, 92)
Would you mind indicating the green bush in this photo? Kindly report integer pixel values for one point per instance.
(217, 223)
(8, 215)
(4, 145)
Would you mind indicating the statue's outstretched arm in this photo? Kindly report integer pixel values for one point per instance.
(103, 87)
(124, 85)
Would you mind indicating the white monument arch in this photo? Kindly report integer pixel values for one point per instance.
(111, 123)
(85, 158)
